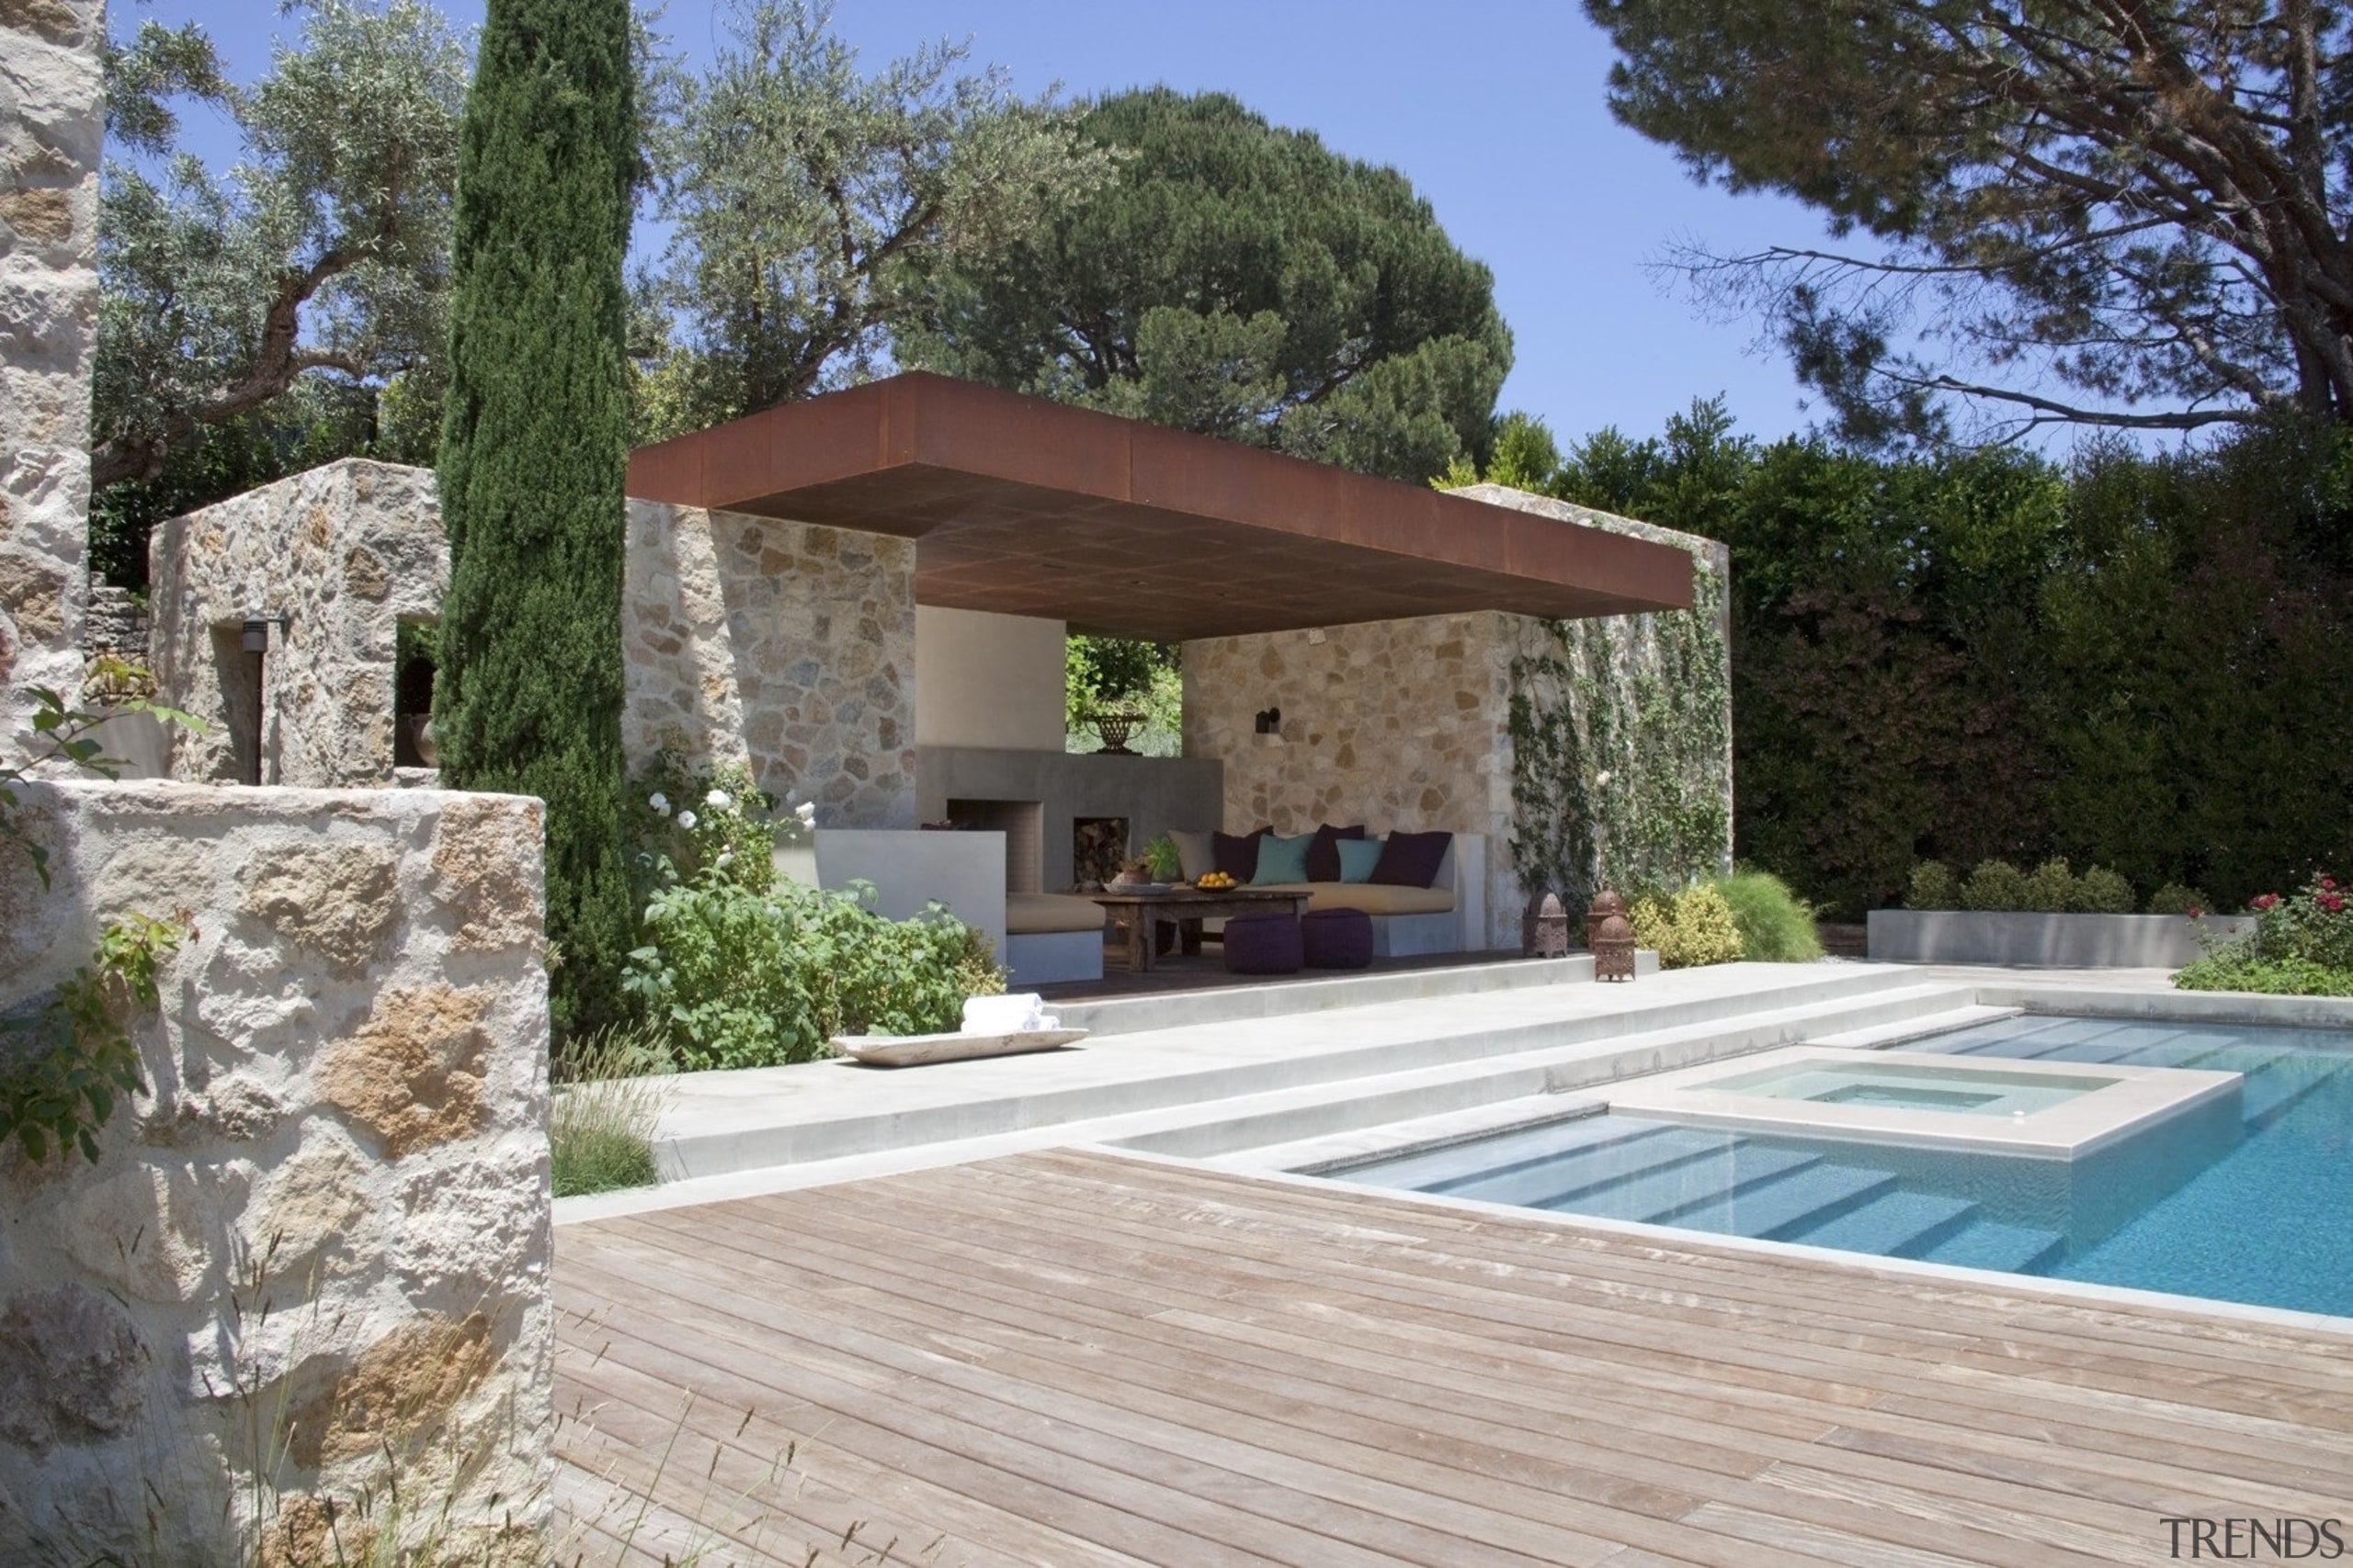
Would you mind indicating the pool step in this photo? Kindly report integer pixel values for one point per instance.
(2271, 1093)
(1663, 1195)
(1907, 1032)
(1989, 1243)
(1500, 1156)
(1655, 1155)
(1895, 1224)
(1775, 1210)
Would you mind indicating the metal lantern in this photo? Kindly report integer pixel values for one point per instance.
(1551, 939)
(1605, 905)
(1613, 949)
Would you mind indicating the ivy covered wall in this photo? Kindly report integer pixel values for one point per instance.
(1619, 731)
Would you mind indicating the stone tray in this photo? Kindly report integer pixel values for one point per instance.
(919, 1050)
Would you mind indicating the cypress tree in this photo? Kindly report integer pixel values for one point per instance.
(534, 448)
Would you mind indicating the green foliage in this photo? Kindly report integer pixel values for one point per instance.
(1238, 281)
(321, 259)
(608, 1099)
(528, 698)
(2052, 888)
(1933, 887)
(1995, 885)
(1690, 929)
(2044, 217)
(742, 979)
(2102, 892)
(2174, 899)
(2276, 977)
(807, 200)
(1775, 925)
(1160, 858)
(2133, 663)
(682, 824)
(60, 1073)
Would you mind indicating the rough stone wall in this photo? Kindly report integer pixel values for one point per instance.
(348, 549)
(1391, 723)
(50, 132)
(783, 645)
(347, 1128)
(786, 645)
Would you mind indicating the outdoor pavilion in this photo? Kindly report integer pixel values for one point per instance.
(1376, 618)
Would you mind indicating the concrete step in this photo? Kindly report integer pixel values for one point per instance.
(1887, 1036)
(1454, 1085)
(1375, 1064)
(1289, 998)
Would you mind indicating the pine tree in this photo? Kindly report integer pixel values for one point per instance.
(534, 450)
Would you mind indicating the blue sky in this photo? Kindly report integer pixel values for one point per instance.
(1494, 109)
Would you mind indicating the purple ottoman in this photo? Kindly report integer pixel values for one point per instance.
(1261, 944)
(1336, 939)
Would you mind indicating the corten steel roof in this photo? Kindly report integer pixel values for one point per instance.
(1030, 508)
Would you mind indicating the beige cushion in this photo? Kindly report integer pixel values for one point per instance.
(1373, 898)
(1194, 855)
(1039, 913)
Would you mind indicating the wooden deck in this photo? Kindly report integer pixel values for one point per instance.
(1072, 1358)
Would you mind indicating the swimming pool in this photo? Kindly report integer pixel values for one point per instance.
(2260, 1212)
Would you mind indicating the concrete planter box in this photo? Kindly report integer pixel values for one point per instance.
(2045, 941)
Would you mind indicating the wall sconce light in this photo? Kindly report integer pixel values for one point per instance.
(1269, 720)
(256, 639)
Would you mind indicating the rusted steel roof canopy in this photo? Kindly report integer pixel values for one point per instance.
(1030, 508)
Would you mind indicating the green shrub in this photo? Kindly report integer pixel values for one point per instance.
(609, 1098)
(2174, 899)
(1775, 925)
(2052, 889)
(1995, 885)
(741, 979)
(2103, 891)
(1693, 929)
(680, 823)
(2301, 944)
(1933, 887)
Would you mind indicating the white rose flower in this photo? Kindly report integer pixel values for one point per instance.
(1601, 779)
(720, 800)
(686, 821)
(807, 813)
(726, 857)
(660, 802)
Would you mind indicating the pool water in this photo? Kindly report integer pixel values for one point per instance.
(2263, 1217)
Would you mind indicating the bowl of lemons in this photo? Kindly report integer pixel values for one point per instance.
(1215, 881)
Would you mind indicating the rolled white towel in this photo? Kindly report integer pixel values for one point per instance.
(1015, 1013)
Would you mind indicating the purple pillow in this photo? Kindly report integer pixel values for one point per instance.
(1411, 859)
(1237, 855)
(1324, 854)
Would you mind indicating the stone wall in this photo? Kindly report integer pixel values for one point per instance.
(788, 646)
(49, 131)
(348, 551)
(330, 1216)
(1391, 723)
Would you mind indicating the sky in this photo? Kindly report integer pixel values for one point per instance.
(1495, 109)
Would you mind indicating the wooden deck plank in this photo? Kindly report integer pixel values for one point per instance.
(1072, 1357)
(1643, 1323)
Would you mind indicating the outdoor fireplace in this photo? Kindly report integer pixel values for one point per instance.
(1023, 825)
(1098, 848)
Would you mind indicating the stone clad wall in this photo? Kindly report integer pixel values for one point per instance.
(349, 550)
(50, 132)
(1391, 723)
(787, 645)
(347, 1122)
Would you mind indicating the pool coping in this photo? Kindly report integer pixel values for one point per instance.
(2117, 1103)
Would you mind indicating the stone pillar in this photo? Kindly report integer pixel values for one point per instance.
(50, 128)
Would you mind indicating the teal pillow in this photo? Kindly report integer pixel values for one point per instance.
(1282, 859)
(1358, 858)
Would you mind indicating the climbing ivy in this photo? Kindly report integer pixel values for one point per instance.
(1622, 749)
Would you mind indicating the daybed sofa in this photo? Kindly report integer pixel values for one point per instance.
(1051, 936)
(1446, 916)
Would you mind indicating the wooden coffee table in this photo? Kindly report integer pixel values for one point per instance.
(1141, 914)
